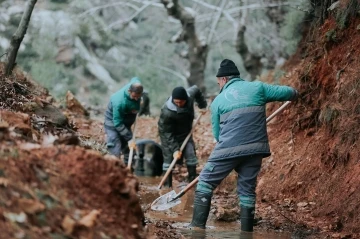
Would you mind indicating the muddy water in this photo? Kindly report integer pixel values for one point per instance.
(181, 215)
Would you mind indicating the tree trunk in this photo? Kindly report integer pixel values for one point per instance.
(321, 9)
(18, 37)
(197, 50)
(252, 62)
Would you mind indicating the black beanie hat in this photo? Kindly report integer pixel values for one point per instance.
(179, 93)
(227, 68)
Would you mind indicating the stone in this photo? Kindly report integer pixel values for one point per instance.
(74, 105)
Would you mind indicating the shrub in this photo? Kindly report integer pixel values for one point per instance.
(290, 30)
(54, 77)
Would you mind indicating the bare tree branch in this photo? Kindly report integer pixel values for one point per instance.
(19, 36)
(178, 37)
(152, 3)
(175, 73)
(118, 3)
(206, 4)
(126, 21)
(216, 21)
(244, 14)
(259, 5)
(97, 8)
(207, 17)
(226, 14)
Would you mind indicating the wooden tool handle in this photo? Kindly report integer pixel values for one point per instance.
(187, 188)
(190, 185)
(167, 173)
(278, 111)
(132, 150)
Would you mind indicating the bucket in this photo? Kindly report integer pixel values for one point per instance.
(148, 158)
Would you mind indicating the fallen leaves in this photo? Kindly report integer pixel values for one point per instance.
(16, 217)
(70, 225)
(30, 206)
(4, 182)
(29, 146)
(89, 219)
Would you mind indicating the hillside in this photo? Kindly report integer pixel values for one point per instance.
(51, 184)
(56, 181)
(315, 144)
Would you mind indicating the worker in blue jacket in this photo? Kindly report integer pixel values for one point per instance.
(120, 115)
(238, 117)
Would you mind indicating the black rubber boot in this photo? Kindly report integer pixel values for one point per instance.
(168, 180)
(247, 218)
(202, 202)
(192, 173)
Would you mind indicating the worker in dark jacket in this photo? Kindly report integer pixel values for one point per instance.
(239, 126)
(175, 123)
(120, 115)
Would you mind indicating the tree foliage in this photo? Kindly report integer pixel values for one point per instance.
(163, 46)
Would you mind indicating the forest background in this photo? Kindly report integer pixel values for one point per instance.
(93, 47)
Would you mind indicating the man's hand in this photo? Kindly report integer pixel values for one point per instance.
(202, 111)
(177, 154)
(131, 144)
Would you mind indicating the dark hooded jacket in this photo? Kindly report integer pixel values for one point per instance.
(175, 123)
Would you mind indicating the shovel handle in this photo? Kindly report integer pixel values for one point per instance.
(190, 185)
(167, 173)
(187, 188)
(132, 150)
(130, 158)
(281, 108)
(181, 149)
(190, 133)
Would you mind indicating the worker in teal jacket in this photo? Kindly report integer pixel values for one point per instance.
(120, 115)
(238, 117)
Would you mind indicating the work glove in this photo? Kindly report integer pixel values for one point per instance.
(177, 154)
(202, 111)
(131, 144)
(124, 132)
(296, 95)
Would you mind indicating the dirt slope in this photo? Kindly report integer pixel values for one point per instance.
(50, 186)
(312, 177)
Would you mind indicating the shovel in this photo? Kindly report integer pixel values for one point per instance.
(181, 149)
(172, 199)
(131, 154)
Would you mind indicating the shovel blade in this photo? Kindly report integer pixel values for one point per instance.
(164, 202)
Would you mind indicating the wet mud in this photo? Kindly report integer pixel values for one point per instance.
(178, 217)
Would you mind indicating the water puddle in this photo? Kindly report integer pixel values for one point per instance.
(216, 234)
(181, 215)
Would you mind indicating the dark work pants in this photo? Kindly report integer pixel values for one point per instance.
(116, 144)
(247, 167)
